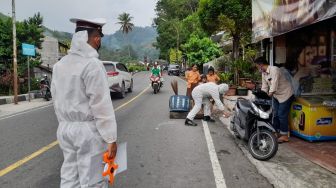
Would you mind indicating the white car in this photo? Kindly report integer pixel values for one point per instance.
(119, 79)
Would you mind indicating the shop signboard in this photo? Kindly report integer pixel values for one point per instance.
(275, 17)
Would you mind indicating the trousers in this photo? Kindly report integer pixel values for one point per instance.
(83, 150)
(281, 114)
(199, 100)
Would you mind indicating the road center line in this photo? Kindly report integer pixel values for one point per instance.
(28, 158)
(143, 91)
(217, 170)
(51, 145)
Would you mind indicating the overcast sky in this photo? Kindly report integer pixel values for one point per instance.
(56, 13)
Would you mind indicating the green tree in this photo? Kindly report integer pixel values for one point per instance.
(176, 21)
(125, 20)
(232, 16)
(174, 57)
(201, 50)
(29, 31)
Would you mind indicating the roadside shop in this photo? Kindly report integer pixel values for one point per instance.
(300, 35)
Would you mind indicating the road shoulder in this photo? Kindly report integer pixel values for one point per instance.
(8, 110)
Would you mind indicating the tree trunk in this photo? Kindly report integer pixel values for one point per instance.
(235, 49)
(128, 47)
(235, 52)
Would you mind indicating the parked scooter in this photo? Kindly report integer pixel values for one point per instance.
(156, 83)
(252, 122)
(45, 88)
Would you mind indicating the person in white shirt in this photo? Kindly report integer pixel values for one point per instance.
(201, 95)
(277, 86)
(87, 125)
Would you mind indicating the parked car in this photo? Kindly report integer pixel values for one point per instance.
(120, 80)
(165, 67)
(174, 69)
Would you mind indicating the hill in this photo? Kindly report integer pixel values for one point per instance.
(140, 38)
(60, 35)
(2, 16)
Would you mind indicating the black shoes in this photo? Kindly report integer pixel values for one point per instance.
(208, 118)
(189, 122)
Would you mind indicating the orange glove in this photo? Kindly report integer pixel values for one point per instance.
(111, 169)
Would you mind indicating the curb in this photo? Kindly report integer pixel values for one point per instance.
(23, 97)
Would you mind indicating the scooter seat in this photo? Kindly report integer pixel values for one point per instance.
(244, 105)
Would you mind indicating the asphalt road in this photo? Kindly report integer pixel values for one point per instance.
(162, 152)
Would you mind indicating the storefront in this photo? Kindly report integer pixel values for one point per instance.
(300, 35)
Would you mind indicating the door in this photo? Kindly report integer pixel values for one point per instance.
(125, 74)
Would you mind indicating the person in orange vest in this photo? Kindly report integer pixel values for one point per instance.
(211, 76)
(193, 77)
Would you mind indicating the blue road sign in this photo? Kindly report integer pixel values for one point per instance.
(28, 49)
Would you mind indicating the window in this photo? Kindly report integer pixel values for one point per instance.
(122, 67)
(109, 67)
(174, 66)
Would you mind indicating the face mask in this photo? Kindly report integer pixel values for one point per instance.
(260, 70)
(99, 44)
(98, 47)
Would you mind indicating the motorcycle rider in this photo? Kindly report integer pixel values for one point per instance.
(201, 95)
(45, 87)
(46, 80)
(156, 72)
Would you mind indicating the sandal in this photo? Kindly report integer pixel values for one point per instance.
(283, 139)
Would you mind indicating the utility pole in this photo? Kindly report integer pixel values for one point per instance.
(177, 42)
(15, 84)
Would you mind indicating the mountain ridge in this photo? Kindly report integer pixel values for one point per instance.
(141, 40)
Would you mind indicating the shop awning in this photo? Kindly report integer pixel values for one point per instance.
(273, 18)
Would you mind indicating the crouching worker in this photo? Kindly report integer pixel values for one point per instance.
(201, 95)
(87, 125)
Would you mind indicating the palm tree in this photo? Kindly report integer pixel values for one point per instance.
(126, 26)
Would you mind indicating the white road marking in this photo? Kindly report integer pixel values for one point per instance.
(217, 170)
(167, 123)
(26, 111)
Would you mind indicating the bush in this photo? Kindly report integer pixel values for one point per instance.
(226, 77)
(133, 68)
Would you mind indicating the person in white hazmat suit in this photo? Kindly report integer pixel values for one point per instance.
(201, 95)
(87, 126)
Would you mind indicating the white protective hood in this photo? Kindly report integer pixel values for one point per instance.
(80, 46)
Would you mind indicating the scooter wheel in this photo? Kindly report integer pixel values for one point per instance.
(155, 87)
(267, 146)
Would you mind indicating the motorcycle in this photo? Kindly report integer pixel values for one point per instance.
(45, 89)
(252, 122)
(156, 83)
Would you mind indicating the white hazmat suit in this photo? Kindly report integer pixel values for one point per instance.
(202, 93)
(85, 113)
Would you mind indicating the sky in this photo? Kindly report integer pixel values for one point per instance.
(56, 13)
